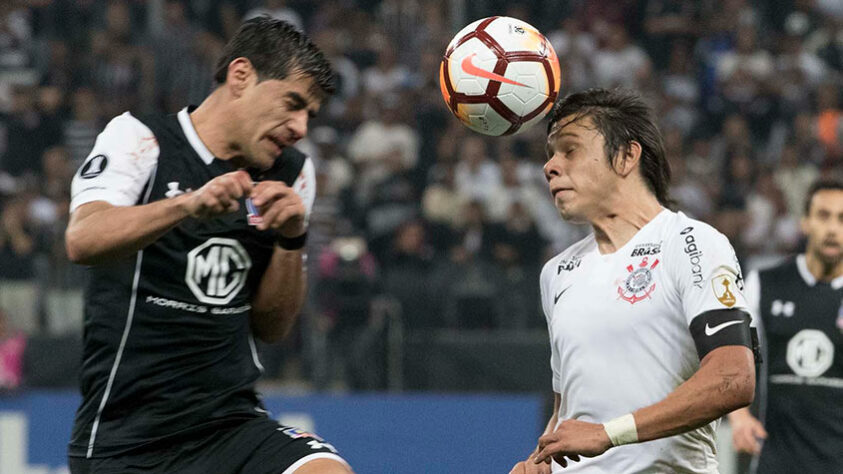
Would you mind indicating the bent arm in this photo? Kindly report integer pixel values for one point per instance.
(724, 382)
(280, 295)
(99, 232)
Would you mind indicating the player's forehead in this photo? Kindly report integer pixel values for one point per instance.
(827, 200)
(572, 128)
(299, 87)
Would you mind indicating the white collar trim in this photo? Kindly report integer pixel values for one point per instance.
(810, 280)
(193, 137)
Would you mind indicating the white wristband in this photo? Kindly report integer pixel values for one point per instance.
(622, 430)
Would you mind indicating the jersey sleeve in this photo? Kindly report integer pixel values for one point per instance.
(707, 272)
(118, 166)
(547, 308)
(305, 187)
(752, 292)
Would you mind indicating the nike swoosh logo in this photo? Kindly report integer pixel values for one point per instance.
(709, 331)
(469, 68)
(556, 298)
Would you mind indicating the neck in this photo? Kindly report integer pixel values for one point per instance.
(213, 121)
(822, 271)
(618, 223)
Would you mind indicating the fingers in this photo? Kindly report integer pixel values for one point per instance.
(758, 431)
(281, 211)
(220, 195)
(268, 191)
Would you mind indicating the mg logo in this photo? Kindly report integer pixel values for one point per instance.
(810, 353)
(217, 270)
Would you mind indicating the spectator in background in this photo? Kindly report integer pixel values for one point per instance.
(406, 271)
(680, 89)
(346, 285)
(83, 125)
(744, 76)
(12, 345)
(575, 47)
(278, 10)
(332, 42)
(665, 24)
(620, 62)
(770, 231)
(830, 121)
(797, 70)
(121, 71)
(387, 75)
(477, 175)
(379, 140)
(794, 177)
(184, 55)
(18, 289)
(27, 134)
(442, 202)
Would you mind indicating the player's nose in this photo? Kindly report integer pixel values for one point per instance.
(298, 125)
(552, 168)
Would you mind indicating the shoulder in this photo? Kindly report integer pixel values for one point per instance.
(783, 267)
(688, 234)
(127, 134)
(568, 259)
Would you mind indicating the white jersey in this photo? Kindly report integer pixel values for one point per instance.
(620, 338)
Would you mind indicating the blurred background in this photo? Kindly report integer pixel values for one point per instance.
(426, 240)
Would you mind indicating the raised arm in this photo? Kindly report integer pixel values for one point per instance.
(99, 232)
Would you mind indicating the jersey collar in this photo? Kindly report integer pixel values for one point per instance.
(193, 137)
(810, 280)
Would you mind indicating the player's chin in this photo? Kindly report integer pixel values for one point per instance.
(831, 254)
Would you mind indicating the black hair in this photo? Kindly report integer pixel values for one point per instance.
(277, 49)
(621, 116)
(821, 185)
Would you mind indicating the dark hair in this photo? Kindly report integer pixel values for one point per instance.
(821, 185)
(621, 116)
(276, 49)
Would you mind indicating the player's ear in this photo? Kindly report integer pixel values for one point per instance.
(240, 74)
(627, 158)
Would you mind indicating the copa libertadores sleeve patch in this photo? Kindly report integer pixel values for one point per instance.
(721, 327)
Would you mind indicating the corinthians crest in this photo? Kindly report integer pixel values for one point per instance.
(638, 284)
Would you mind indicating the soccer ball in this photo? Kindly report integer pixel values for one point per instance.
(499, 76)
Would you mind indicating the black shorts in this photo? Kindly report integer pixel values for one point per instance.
(257, 446)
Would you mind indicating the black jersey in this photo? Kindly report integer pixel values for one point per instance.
(168, 350)
(802, 400)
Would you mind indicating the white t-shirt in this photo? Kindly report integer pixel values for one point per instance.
(125, 154)
(620, 338)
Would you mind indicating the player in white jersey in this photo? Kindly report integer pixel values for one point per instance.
(649, 333)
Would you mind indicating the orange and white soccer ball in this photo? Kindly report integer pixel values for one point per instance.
(499, 76)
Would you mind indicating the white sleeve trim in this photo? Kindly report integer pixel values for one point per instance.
(310, 457)
(305, 187)
(119, 166)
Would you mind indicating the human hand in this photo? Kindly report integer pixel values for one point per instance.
(746, 432)
(572, 439)
(529, 467)
(281, 208)
(219, 195)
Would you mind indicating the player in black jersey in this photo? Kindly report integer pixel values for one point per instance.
(799, 306)
(193, 226)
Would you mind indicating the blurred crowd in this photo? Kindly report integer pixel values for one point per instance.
(451, 225)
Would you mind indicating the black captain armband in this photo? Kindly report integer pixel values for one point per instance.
(291, 243)
(723, 327)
